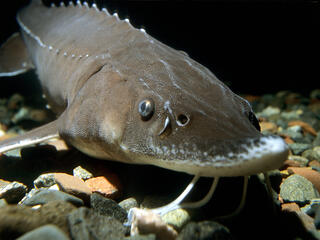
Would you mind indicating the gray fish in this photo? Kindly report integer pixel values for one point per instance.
(122, 95)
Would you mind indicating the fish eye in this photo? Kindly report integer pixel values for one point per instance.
(182, 120)
(255, 122)
(146, 109)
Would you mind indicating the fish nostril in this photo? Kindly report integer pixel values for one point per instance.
(182, 120)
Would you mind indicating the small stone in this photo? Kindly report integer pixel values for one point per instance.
(82, 173)
(317, 218)
(15, 102)
(297, 189)
(311, 208)
(12, 192)
(44, 180)
(107, 207)
(312, 175)
(142, 237)
(16, 220)
(306, 127)
(73, 185)
(103, 186)
(204, 230)
(86, 224)
(43, 196)
(291, 207)
(314, 164)
(177, 218)
(302, 161)
(316, 141)
(47, 232)
(291, 115)
(3, 203)
(312, 154)
(269, 127)
(315, 94)
(145, 221)
(294, 132)
(128, 203)
(22, 114)
(269, 111)
(298, 148)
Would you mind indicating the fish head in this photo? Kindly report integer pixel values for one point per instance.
(196, 124)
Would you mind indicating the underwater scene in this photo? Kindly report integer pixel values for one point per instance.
(159, 120)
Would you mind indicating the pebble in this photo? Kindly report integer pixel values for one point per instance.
(144, 221)
(177, 218)
(85, 224)
(82, 173)
(104, 187)
(107, 207)
(3, 203)
(269, 112)
(312, 154)
(204, 230)
(317, 218)
(128, 203)
(306, 127)
(298, 148)
(44, 180)
(12, 192)
(269, 127)
(297, 189)
(16, 220)
(47, 232)
(311, 208)
(43, 196)
(73, 185)
(291, 207)
(302, 161)
(312, 175)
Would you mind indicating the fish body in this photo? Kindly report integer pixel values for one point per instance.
(122, 95)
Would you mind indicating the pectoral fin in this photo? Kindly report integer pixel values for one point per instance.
(37, 135)
(14, 57)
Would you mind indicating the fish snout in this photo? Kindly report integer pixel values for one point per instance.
(244, 156)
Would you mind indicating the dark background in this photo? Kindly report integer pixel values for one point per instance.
(254, 46)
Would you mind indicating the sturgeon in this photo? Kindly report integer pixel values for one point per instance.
(121, 95)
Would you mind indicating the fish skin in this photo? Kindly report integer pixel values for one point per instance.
(95, 69)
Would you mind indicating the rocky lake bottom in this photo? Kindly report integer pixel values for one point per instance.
(53, 191)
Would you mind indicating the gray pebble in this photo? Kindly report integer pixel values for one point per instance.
(128, 203)
(47, 232)
(311, 208)
(204, 230)
(44, 180)
(12, 192)
(316, 141)
(317, 218)
(82, 173)
(85, 224)
(3, 203)
(298, 148)
(312, 154)
(301, 160)
(43, 196)
(294, 132)
(142, 237)
(107, 207)
(290, 115)
(297, 189)
(269, 112)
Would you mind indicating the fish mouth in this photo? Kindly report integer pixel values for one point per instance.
(240, 157)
